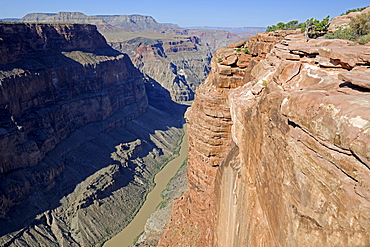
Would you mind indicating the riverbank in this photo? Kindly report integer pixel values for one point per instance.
(127, 235)
(156, 224)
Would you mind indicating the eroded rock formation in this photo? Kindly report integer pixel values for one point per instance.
(53, 80)
(278, 149)
(178, 64)
(79, 144)
(175, 58)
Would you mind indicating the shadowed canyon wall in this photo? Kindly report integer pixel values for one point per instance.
(175, 58)
(80, 142)
(278, 147)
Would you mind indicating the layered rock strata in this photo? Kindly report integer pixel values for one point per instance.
(178, 65)
(282, 159)
(209, 121)
(175, 58)
(53, 80)
(79, 144)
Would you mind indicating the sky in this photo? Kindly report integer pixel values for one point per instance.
(189, 13)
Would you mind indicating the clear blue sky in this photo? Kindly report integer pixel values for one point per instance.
(237, 13)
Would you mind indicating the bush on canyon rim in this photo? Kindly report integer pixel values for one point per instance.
(358, 30)
(354, 10)
(292, 25)
(315, 27)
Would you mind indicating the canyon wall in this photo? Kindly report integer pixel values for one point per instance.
(171, 57)
(53, 81)
(178, 64)
(278, 147)
(80, 142)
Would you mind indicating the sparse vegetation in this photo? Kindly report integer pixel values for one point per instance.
(239, 50)
(358, 30)
(354, 10)
(292, 25)
(316, 25)
(246, 51)
(312, 27)
(264, 83)
(364, 39)
(219, 60)
(361, 24)
(341, 33)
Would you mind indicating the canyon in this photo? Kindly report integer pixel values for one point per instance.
(172, 57)
(278, 147)
(278, 134)
(81, 137)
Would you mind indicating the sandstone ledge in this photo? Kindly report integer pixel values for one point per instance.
(297, 156)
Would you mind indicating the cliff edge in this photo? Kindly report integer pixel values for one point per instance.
(79, 142)
(278, 147)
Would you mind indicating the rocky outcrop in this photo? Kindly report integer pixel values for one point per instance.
(344, 20)
(215, 39)
(79, 144)
(179, 65)
(280, 157)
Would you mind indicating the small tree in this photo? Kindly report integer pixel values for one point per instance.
(314, 28)
(292, 25)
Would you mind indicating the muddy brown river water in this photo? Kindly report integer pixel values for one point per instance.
(128, 234)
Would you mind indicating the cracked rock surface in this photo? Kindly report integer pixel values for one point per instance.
(279, 150)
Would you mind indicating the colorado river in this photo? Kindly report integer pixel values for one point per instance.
(128, 234)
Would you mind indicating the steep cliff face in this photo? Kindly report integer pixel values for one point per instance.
(171, 57)
(79, 144)
(209, 127)
(282, 158)
(53, 80)
(177, 64)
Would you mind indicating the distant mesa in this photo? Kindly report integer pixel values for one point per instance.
(132, 23)
(10, 19)
(104, 22)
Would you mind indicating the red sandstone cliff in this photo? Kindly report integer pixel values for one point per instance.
(279, 148)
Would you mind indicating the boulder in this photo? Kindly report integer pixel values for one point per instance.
(237, 45)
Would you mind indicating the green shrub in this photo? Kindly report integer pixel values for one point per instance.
(246, 51)
(364, 39)
(292, 25)
(358, 30)
(341, 33)
(354, 10)
(264, 83)
(316, 25)
(361, 24)
(219, 60)
(238, 50)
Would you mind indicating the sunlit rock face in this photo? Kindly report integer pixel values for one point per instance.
(179, 65)
(278, 148)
